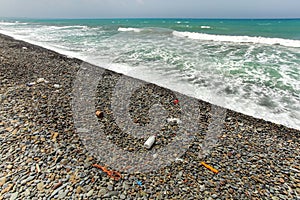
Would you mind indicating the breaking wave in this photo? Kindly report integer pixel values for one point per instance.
(238, 39)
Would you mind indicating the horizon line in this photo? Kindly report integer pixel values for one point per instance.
(108, 18)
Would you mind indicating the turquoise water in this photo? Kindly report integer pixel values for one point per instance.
(250, 66)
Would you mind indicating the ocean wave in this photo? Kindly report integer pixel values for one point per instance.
(7, 23)
(66, 27)
(238, 39)
(148, 30)
(12, 23)
(136, 30)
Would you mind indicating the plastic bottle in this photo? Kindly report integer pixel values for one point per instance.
(150, 141)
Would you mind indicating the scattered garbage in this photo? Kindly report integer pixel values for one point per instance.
(150, 141)
(113, 174)
(56, 86)
(176, 101)
(31, 84)
(174, 120)
(139, 183)
(99, 114)
(41, 80)
(25, 48)
(210, 167)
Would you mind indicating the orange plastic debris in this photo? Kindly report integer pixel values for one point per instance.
(113, 174)
(176, 101)
(210, 167)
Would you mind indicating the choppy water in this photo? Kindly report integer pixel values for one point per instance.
(250, 66)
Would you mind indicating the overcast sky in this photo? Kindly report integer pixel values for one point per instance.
(150, 8)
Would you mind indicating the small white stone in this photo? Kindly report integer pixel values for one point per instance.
(82, 130)
(179, 160)
(40, 186)
(37, 168)
(40, 80)
(174, 120)
(90, 193)
(25, 48)
(202, 188)
(27, 192)
(9, 166)
(14, 196)
(62, 194)
(155, 156)
(2, 181)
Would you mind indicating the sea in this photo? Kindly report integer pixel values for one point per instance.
(250, 66)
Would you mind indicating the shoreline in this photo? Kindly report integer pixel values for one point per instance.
(81, 60)
(37, 128)
(250, 109)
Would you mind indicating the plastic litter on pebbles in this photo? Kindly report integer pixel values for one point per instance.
(149, 142)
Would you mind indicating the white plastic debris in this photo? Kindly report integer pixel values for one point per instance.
(150, 141)
(31, 84)
(56, 86)
(174, 120)
(25, 48)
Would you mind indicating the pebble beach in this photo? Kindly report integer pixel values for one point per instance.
(43, 156)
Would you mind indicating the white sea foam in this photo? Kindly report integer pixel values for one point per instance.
(154, 30)
(238, 39)
(205, 27)
(65, 27)
(7, 23)
(137, 30)
(65, 52)
(12, 23)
